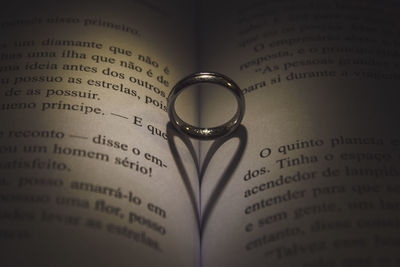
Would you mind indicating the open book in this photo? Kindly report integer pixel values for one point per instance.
(87, 177)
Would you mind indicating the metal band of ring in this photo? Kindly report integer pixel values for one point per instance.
(213, 132)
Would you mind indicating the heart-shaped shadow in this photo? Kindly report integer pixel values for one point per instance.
(241, 134)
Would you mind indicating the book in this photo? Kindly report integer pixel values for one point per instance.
(90, 174)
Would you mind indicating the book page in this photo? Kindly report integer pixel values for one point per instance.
(86, 174)
(318, 183)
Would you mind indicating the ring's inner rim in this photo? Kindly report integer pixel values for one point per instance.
(206, 105)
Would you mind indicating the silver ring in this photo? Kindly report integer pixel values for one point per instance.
(213, 132)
